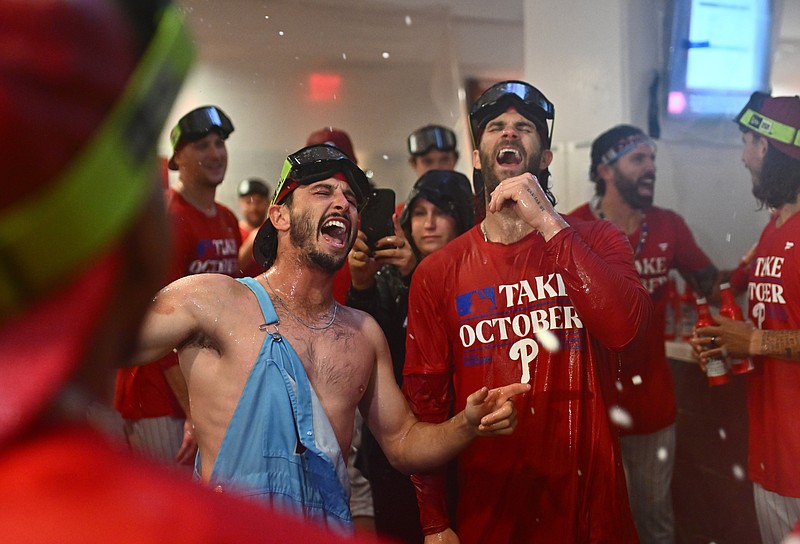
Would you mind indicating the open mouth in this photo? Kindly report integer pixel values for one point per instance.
(334, 231)
(645, 185)
(509, 156)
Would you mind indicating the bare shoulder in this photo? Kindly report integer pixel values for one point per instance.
(359, 320)
(199, 290)
(365, 330)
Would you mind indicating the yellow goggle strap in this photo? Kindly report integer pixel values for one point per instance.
(49, 236)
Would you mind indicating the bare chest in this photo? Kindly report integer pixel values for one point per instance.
(337, 361)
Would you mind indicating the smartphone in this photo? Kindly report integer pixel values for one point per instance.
(376, 217)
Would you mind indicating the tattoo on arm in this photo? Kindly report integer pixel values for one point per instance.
(536, 199)
(781, 344)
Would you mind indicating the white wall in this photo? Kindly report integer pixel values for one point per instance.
(596, 66)
(254, 59)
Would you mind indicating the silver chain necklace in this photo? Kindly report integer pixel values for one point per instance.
(296, 318)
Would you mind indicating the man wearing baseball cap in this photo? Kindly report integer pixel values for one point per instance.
(83, 245)
(526, 296)
(152, 399)
(276, 367)
(253, 201)
(771, 335)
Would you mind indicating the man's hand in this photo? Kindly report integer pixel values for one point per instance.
(493, 411)
(728, 338)
(188, 449)
(445, 537)
(529, 202)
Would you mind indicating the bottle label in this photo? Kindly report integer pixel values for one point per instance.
(716, 372)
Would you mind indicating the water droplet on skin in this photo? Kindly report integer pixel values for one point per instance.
(620, 417)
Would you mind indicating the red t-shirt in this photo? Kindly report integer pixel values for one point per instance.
(773, 388)
(474, 308)
(200, 244)
(647, 391)
(72, 485)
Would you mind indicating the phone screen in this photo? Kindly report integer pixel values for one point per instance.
(376, 217)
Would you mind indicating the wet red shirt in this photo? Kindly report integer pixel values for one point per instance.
(474, 310)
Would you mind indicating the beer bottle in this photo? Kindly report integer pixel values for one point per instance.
(731, 309)
(716, 367)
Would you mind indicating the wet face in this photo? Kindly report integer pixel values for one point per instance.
(753, 152)
(434, 159)
(431, 228)
(634, 176)
(254, 209)
(509, 146)
(323, 222)
(204, 161)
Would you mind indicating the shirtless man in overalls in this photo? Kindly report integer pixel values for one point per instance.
(275, 368)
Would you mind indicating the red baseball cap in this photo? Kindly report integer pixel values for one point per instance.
(335, 137)
(81, 126)
(776, 118)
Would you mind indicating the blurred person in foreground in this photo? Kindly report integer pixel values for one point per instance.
(84, 246)
(623, 170)
(152, 399)
(526, 296)
(276, 368)
(438, 209)
(771, 335)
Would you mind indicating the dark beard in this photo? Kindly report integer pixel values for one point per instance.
(627, 189)
(302, 234)
(490, 179)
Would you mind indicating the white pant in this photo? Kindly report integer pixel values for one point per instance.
(776, 514)
(648, 461)
(159, 438)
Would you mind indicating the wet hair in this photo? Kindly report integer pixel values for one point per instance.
(780, 178)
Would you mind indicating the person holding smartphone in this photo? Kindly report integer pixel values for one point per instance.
(437, 210)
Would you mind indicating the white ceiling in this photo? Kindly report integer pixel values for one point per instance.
(401, 63)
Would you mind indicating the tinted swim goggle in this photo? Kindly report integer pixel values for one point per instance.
(198, 123)
(751, 118)
(316, 163)
(431, 137)
(526, 98)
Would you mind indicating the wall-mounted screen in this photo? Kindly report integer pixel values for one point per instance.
(719, 54)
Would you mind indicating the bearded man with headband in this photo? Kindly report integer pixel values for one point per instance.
(624, 173)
